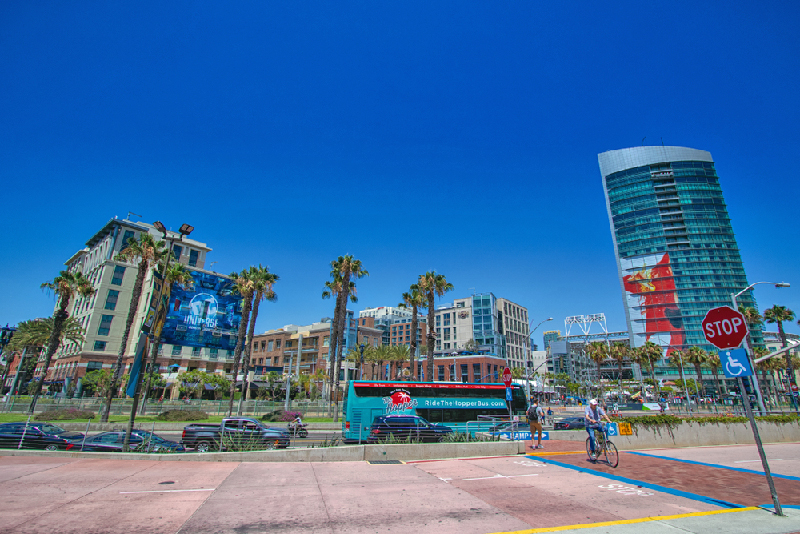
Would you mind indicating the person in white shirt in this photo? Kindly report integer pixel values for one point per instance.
(593, 414)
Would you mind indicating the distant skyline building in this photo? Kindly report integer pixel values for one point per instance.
(676, 252)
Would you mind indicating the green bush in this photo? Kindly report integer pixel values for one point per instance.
(64, 414)
(182, 415)
(274, 416)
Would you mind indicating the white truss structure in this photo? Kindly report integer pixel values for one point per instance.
(585, 323)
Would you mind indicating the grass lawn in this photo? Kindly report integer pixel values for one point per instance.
(13, 418)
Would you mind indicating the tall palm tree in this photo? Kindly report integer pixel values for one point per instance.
(143, 253)
(348, 268)
(263, 280)
(697, 357)
(619, 352)
(333, 288)
(779, 314)
(177, 274)
(432, 285)
(401, 353)
(651, 353)
(597, 351)
(245, 286)
(714, 363)
(676, 359)
(415, 300)
(65, 285)
(753, 318)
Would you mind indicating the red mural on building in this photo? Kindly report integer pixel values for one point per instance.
(658, 306)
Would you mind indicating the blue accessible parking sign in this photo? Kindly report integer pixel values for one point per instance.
(735, 363)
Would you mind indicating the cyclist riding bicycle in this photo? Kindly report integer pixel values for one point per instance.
(592, 416)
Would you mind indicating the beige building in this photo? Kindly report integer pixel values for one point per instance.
(103, 315)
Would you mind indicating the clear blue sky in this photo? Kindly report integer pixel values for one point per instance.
(455, 136)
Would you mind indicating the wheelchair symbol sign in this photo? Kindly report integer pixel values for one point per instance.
(735, 363)
(613, 429)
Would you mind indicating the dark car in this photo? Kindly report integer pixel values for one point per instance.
(511, 427)
(232, 433)
(141, 441)
(403, 427)
(570, 423)
(36, 436)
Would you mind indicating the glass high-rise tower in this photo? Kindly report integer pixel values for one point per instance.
(676, 252)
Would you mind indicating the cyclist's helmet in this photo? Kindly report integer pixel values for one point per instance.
(593, 402)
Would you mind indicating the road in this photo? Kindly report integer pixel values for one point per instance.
(695, 490)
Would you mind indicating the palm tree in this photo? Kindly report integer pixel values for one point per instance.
(333, 288)
(36, 332)
(779, 314)
(676, 359)
(143, 253)
(651, 353)
(65, 285)
(245, 286)
(714, 363)
(401, 353)
(753, 318)
(177, 274)
(263, 280)
(597, 351)
(697, 357)
(432, 285)
(415, 300)
(619, 352)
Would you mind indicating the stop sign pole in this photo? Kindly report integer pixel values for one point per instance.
(507, 382)
(726, 328)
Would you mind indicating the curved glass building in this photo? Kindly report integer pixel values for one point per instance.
(676, 252)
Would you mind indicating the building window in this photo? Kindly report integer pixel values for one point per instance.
(447, 333)
(476, 372)
(214, 352)
(105, 325)
(278, 344)
(176, 350)
(195, 351)
(177, 250)
(119, 273)
(111, 299)
(193, 254)
(263, 345)
(128, 235)
(99, 345)
(93, 366)
(446, 319)
(270, 345)
(440, 374)
(464, 373)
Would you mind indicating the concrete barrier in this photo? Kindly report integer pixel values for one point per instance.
(692, 434)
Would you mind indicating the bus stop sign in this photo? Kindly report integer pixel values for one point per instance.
(507, 377)
(724, 327)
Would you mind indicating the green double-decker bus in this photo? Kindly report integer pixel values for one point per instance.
(463, 407)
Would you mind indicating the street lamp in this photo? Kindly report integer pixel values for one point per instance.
(748, 349)
(527, 354)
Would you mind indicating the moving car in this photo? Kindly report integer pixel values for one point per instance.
(570, 423)
(141, 441)
(36, 436)
(403, 427)
(235, 430)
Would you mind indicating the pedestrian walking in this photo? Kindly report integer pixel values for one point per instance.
(535, 417)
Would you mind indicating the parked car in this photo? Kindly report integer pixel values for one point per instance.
(511, 427)
(204, 437)
(36, 436)
(141, 441)
(403, 427)
(570, 423)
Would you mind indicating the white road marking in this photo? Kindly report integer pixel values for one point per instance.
(748, 461)
(169, 491)
(502, 476)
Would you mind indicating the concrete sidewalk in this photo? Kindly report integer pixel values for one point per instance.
(742, 521)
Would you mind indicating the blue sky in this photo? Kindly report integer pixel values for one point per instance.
(455, 136)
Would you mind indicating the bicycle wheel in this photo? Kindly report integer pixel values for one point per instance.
(592, 457)
(611, 453)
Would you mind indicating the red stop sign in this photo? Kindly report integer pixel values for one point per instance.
(507, 377)
(724, 327)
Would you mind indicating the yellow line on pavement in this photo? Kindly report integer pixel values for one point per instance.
(629, 521)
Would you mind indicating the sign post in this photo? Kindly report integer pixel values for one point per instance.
(725, 328)
(507, 382)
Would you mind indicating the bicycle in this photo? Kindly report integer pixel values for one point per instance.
(602, 446)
